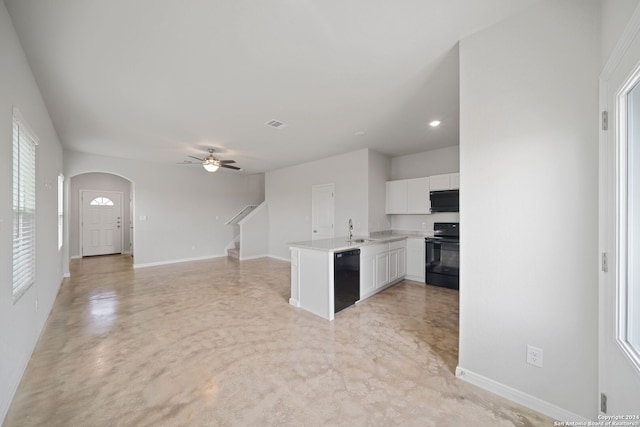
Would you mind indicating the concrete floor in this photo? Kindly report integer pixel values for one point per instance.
(215, 342)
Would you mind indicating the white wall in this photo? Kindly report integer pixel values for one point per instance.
(186, 207)
(529, 203)
(426, 163)
(288, 194)
(422, 223)
(379, 171)
(21, 323)
(97, 181)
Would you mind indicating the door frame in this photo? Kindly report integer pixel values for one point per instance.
(332, 186)
(81, 216)
(608, 206)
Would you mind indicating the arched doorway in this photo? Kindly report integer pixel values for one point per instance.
(100, 215)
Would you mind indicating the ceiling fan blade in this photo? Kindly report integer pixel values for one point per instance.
(187, 162)
(193, 157)
(230, 167)
(227, 161)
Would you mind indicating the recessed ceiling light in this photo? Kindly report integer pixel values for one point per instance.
(434, 123)
(359, 133)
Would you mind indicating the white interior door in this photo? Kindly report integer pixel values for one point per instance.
(620, 230)
(322, 211)
(101, 219)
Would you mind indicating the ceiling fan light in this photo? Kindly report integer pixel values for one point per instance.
(210, 167)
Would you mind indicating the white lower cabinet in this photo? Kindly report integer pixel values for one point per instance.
(367, 273)
(415, 259)
(382, 269)
(312, 274)
(295, 278)
(373, 268)
(380, 266)
(397, 260)
(393, 265)
(402, 262)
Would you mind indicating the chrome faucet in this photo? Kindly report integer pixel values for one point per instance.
(350, 229)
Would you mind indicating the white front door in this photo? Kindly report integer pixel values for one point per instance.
(620, 231)
(101, 219)
(322, 211)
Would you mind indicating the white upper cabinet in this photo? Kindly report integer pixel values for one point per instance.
(447, 181)
(397, 197)
(411, 196)
(408, 196)
(418, 201)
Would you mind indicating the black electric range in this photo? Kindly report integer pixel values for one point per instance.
(442, 266)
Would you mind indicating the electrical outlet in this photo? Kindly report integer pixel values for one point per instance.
(424, 225)
(535, 356)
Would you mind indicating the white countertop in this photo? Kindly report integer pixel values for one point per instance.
(341, 244)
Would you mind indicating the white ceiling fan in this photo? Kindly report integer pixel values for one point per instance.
(211, 163)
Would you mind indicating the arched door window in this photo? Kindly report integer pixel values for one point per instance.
(101, 201)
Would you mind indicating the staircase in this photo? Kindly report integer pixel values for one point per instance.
(241, 215)
(234, 252)
(250, 227)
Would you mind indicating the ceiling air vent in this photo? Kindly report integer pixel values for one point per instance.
(276, 124)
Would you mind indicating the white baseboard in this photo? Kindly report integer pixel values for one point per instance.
(254, 257)
(294, 302)
(66, 275)
(176, 261)
(518, 396)
(265, 256)
(75, 257)
(415, 278)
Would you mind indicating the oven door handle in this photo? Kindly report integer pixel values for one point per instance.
(440, 242)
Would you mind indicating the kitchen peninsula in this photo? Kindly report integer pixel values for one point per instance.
(382, 263)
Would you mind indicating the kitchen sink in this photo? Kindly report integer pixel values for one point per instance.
(358, 240)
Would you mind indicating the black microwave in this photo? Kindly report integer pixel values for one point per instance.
(445, 201)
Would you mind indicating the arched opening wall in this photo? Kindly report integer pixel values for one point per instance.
(104, 182)
(179, 212)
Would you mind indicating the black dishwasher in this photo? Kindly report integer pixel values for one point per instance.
(346, 279)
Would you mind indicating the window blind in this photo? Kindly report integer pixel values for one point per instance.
(60, 211)
(24, 206)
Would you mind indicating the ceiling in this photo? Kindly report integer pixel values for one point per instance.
(163, 79)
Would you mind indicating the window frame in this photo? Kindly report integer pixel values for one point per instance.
(101, 201)
(623, 316)
(24, 194)
(60, 211)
